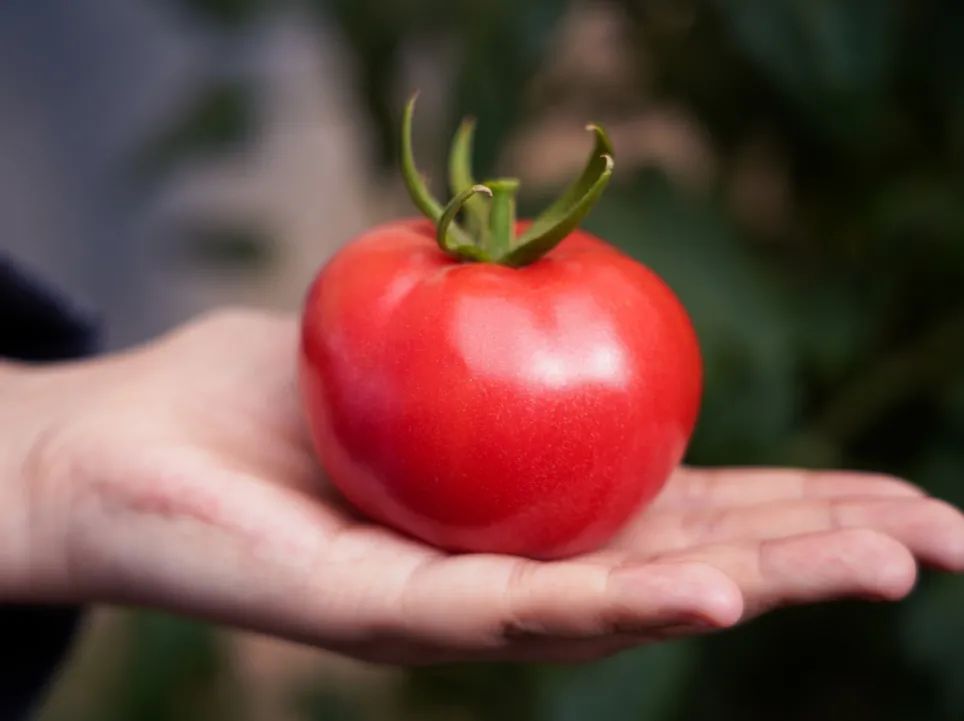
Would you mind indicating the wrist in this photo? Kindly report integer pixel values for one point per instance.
(34, 489)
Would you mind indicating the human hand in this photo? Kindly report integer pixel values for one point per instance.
(180, 476)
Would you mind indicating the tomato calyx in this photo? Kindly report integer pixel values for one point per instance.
(487, 232)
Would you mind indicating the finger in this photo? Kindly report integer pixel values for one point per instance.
(858, 563)
(932, 530)
(704, 487)
(494, 602)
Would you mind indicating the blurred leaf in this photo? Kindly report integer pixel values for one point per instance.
(833, 60)
(921, 367)
(844, 660)
(480, 692)
(240, 247)
(939, 466)
(503, 43)
(920, 207)
(933, 634)
(498, 46)
(829, 325)
(173, 672)
(327, 704)
(932, 78)
(227, 12)
(374, 31)
(218, 119)
(917, 226)
(642, 684)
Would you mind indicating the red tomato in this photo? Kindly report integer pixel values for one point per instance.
(481, 407)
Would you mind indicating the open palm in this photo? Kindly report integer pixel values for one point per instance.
(194, 489)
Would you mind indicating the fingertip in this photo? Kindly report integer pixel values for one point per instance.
(946, 529)
(680, 592)
(885, 484)
(887, 568)
(722, 599)
(955, 553)
(899, 577)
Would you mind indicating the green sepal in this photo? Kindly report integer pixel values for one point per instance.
(414, 183)
(475, 213)
(462, 250)
(565, 214)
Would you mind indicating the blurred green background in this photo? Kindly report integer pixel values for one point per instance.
(793, 168)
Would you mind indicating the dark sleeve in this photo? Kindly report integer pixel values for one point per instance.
(36, 325)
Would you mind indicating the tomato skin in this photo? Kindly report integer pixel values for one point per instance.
(485, 408)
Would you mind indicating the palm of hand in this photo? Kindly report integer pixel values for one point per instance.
(201, 495)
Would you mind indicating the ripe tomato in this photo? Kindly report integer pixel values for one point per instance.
(482, 407)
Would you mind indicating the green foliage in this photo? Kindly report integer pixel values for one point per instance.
(482, 692)
(835, 338)
(932, 635)
(640, 684)
(168, 669)
(831, 60)
(501, 44)
(171, 664)
(327, 705)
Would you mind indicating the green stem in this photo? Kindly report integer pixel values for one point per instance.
(501, 216)
(460, 178)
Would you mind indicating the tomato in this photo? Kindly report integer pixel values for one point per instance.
(484, 407)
